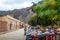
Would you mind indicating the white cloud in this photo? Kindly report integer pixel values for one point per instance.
(1, 1)
(14, 6)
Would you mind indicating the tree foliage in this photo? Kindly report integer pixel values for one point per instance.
(33, 21)
(47, 12)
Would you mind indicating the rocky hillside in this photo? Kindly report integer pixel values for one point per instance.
(21, 14)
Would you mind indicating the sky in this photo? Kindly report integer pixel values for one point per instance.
(16, 4)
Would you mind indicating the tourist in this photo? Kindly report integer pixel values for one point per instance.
(53, 30)
(33, 33)
(28, 35)
(49, 29)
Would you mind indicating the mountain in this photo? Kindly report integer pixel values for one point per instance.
(20, 14)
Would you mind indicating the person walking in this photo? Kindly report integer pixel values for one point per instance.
(25, 30)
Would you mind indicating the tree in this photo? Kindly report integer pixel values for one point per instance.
(47, 12)
(33, 21)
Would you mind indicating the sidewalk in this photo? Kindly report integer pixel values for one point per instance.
(3, 32)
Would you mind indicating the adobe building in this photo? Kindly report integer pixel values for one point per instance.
(8, 23)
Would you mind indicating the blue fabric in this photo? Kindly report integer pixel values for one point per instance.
(42, 31)
(36, 28)
(49, 29)
(28, 36)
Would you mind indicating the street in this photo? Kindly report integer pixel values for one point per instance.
(15, 35)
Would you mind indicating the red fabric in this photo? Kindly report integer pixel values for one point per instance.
(44, 38)
(47, 37)
(35, 39)
(51, 37)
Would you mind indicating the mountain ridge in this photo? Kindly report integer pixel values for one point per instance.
(20, 14)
